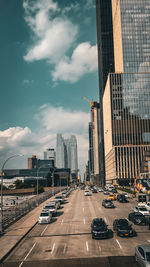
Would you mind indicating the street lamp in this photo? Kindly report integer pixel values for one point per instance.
(2, 187)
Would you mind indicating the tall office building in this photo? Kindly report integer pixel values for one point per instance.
(73, 154)
(66, 153)
(124, 81)
(91, 156)
(60, 152)
(95, 121)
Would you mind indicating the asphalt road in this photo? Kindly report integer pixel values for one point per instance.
(67, 240)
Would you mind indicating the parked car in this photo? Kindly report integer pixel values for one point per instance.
(142, 255)
(58, 203)
(54, 203)
(87, 193)
(107, 203)
(147, 206)
(51, 207)
(112, 196)
(142, 210)
(138, 218)
(100, 230)
(122, 198)
(60, 198)
(45, 217)
(123, 228)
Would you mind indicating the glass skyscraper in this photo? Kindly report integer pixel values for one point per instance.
(123, 28)
(66, 153)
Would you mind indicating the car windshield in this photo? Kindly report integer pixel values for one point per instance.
(50, 206)
(123, 222)
(99, 224)
(148, 256)
(44, 214)
(139, 215)
(143, 209)
(58, 197)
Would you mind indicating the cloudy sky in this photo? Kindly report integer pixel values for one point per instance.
(48, 64)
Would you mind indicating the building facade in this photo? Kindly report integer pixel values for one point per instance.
(95, 122)
(66, 153)
(123, 26)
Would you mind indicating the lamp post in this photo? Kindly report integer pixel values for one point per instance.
(53, 182)
(2, 187)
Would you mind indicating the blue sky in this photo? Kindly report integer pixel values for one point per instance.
(48, 64)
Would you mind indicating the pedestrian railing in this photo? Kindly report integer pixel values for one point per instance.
(12, 214)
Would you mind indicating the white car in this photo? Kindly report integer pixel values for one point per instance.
(147, 206)
(142, 210)
(87, 193)
(45, 217)
(51, 207)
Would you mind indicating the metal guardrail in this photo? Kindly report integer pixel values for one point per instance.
(10, 215)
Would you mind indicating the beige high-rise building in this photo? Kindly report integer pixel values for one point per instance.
(124, 75)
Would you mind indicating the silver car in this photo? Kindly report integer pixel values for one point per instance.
(142, 255)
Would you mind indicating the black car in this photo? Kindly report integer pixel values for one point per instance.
(122, 198)
(100, 230)
(138, 218)
(123, 228)
(94, 190)
(107, 203)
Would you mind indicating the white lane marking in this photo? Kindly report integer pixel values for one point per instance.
(118, 243)
(65, 248)
(87, 247)
(83, 209)
(105, 219)
(62, 221)
(27, 254)
(44, 230)
(99, 248)
(53, 248)
(84, 221)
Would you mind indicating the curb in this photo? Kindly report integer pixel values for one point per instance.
(16, 244)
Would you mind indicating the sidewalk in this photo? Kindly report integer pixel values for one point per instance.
(17, 231)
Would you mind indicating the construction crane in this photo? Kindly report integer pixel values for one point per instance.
(91, 102)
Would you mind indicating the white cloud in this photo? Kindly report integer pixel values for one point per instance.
(83, 60)
(54, 37)
(52, 120)
(61, 120)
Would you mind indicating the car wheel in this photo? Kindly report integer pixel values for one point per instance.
(136, 258)
(111, 233)
(135, 234)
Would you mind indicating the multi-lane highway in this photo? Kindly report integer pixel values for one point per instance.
(67, 239)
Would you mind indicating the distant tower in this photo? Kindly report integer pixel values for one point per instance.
(73, 154)
(66, 153)
(32, 162)
(60, 152)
